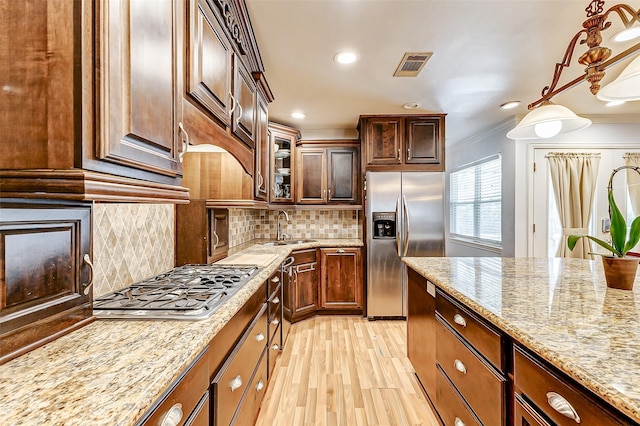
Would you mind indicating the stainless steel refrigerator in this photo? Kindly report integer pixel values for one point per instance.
(405, 217)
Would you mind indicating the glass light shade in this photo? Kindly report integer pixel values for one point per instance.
(545, 119)
(624, 88)
(627, 34)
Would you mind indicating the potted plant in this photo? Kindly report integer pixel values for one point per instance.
(619, 269)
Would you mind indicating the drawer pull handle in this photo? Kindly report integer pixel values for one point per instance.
(460, 366)
(259, 337)
(459, 319)
(275, 347)
(340, 251)
(275, 280)
(235, 383)
(562, 406)
(275, 322)
(275, 300)
(458, 422)
(173, 416)
(259, 386)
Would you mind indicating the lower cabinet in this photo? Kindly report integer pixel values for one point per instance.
(301, 290)
(341, 279)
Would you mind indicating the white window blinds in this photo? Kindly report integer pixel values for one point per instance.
(476, 202)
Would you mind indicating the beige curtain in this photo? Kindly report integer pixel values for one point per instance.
(573, 176)
(633, 180)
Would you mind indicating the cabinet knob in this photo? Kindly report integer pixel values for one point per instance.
(87, 287)
(235, 383)
(562, 406)
(458, 422)
(173, 416)
(459, 319)
(275, 279)
(259, 337)
(460, 366)
(340, 251)
(275, 300)
(275, 347)
(259, 386)
(275, 322)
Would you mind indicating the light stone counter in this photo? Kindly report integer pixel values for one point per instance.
(559, 308)
(111, 371)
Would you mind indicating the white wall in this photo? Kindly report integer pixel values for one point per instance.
(482, 146)
(517, 165)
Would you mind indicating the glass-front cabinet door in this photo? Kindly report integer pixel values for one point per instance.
(282, 164)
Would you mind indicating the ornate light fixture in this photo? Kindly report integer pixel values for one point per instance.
(597, 60)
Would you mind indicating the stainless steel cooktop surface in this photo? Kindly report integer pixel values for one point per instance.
(189, 292)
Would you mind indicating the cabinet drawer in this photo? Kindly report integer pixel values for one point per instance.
(184, 395)
(248, 410)
(232, 380)
(200, 415)
(487, 340)
(272, 285)
(524, 414)
(304, 256)
(451, 407)
(543, 388)
(481, 386)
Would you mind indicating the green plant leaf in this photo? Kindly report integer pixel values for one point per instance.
(634, 235)
(573, 239)
(618, 226)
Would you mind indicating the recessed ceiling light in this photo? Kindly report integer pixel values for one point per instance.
(345, 57)
(614, 103)
(298, 115)
(510, 104)
(410, 105)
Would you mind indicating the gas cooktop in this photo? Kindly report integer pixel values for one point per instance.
(189, 292)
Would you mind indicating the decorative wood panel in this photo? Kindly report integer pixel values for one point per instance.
(341, 279)
(384, 141)
(343, 170)
(244, 113)
(311, 176)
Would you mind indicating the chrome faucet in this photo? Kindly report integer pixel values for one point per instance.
(279, 235)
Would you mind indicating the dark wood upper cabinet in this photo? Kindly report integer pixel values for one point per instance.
(140, 84)
(403, 142)
(244, 111)
(210, 68)
(327, 172)
(282, 168)
(262, 151)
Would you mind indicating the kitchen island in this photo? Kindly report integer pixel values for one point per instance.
(110, 372)
(559, 310)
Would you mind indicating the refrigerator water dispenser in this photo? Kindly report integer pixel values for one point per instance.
(384, 225)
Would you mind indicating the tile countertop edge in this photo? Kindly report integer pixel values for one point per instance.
(77, 382)
(605, 391)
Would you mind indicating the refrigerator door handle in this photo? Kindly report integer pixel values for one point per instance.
(406, 225)
(397, 227)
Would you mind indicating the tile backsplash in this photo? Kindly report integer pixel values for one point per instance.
(131, 242)
(311, 224)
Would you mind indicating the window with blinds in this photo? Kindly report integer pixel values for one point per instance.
(476, 202)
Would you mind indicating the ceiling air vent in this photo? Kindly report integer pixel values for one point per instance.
(412, 63)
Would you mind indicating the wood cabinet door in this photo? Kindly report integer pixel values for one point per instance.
(340, 279)
(421, 331)
(210, 64)
(140, 84)
(311, 178)
(244, 113)
(263, 145)
(423, 141)
(304, 289)
(343, 168)
(383, 140)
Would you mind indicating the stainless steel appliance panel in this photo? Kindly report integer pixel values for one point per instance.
(384, 271)
(423, 214)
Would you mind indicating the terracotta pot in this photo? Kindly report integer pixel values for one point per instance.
(620, 272)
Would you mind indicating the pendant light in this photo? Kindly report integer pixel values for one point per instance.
(546, 121)
(624, 88)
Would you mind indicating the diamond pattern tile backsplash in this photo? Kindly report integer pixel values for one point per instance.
(131, 242)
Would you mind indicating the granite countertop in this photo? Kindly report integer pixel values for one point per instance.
(561, 309)
(111, 371)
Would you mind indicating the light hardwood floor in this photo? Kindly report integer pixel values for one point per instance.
(345, 371)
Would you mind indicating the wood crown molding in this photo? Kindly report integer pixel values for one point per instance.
(83, 185)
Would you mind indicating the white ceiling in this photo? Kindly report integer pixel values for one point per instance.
(485, 52)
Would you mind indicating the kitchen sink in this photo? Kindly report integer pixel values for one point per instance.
(287, 242)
